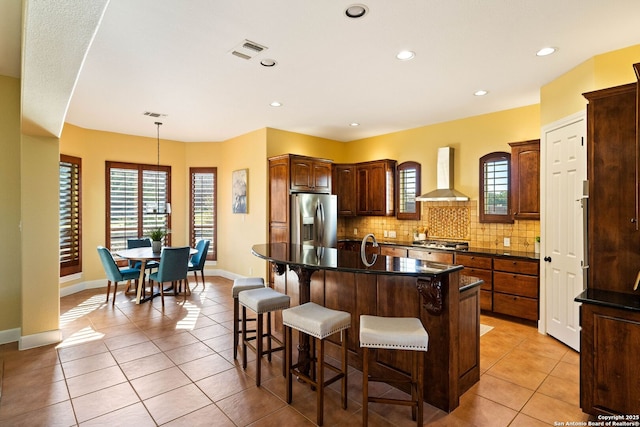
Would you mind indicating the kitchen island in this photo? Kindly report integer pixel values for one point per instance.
(445, 301)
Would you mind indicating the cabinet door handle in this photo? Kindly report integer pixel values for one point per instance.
(547, 258)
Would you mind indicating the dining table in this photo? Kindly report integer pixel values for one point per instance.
(144, 255)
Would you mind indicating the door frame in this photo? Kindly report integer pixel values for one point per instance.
(542, 297)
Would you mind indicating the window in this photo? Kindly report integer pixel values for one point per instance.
(203, 205)
(70, 215)
(408, 188)
(138, 197)
(495, 197)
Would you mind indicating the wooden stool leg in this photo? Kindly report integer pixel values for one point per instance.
(288, 337)
(259, 348)
(420, 387)
(244, 337)
(320, 382)
(345, 343)
(236, 320)
(269, 336)
(365, 386)
(414, 384)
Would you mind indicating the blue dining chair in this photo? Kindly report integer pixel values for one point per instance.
(143, 242)
(197, 261)
(115, 274)
(173, 267)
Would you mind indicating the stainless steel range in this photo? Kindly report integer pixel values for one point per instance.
(442, 244)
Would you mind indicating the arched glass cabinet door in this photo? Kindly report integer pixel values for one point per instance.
(407, 189)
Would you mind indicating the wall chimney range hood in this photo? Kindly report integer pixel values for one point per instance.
(444, 191)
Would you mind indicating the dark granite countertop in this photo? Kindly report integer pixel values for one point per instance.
(317, 257)
(609, 299)
(480, 251)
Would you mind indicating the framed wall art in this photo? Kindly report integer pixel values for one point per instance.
(239, 189)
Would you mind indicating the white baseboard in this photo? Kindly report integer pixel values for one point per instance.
(9, 335)
(38, 340)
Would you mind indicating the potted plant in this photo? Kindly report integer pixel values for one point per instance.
(536, 245)
(156, 235)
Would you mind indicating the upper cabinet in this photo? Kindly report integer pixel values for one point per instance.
(525, 179)
(344, 186)
(375, 184)
(309, 174)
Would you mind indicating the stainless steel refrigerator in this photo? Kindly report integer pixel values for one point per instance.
(314, 219)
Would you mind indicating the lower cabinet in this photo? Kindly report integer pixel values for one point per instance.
(609, 375)
(515, 288)
(481, 267)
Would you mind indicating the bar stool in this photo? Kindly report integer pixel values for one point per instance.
(318, 322)
(239, 285)
(261, 301)
(400, 333)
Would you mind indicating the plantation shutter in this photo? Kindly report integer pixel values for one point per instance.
(70, 216)
(203, 208)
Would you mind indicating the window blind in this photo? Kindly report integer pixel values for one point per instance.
(70, 215)
(203, 208)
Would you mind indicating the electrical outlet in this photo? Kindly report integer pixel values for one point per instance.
(250, 271)
(355, 231)
(392, 234)
(507, 242)
(385, 233)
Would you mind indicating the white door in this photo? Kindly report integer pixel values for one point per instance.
(562, 241)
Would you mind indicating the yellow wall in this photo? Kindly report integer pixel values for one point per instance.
(40, 184)
(563, 96)
(471, 138)
(96, 147)
(10, 237)
(284, 142)
(237, 232)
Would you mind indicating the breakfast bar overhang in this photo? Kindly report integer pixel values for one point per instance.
(446, 302)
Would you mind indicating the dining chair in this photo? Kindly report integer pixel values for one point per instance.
(197, 261)
(115, 274)
(143, 242)
(173, 267)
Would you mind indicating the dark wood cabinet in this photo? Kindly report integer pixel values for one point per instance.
(309, 174)
(481, 267)
(614, 239)
(516, 288)
(344, 186)
(608, 361)
(610, 333)
(375, 186)
(279, 199)
(525, 179)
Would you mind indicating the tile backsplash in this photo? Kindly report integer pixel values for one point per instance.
(446, 221)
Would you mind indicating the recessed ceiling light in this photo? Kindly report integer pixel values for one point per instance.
(405, 55)
(268, 62)
(354, 124)
(356, 11)
(276, 104)
(546, 51)
(481, 92)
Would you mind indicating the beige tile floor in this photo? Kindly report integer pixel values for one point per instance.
(138, 366)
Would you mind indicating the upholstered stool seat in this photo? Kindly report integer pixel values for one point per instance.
(239, 285)
(399, 333)
(318, 322)
(261, 301)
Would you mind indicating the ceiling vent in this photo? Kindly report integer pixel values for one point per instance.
(151, 114)
(248, 49)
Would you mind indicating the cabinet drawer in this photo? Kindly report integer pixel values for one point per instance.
(485, 275)
(486, 300)
(443, 257)
(516, 284)
(474, 261)
(525, 308)
(393, 251)
(516, 266)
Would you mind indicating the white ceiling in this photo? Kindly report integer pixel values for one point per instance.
(173, 57)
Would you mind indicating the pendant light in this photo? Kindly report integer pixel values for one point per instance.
(166, 209)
